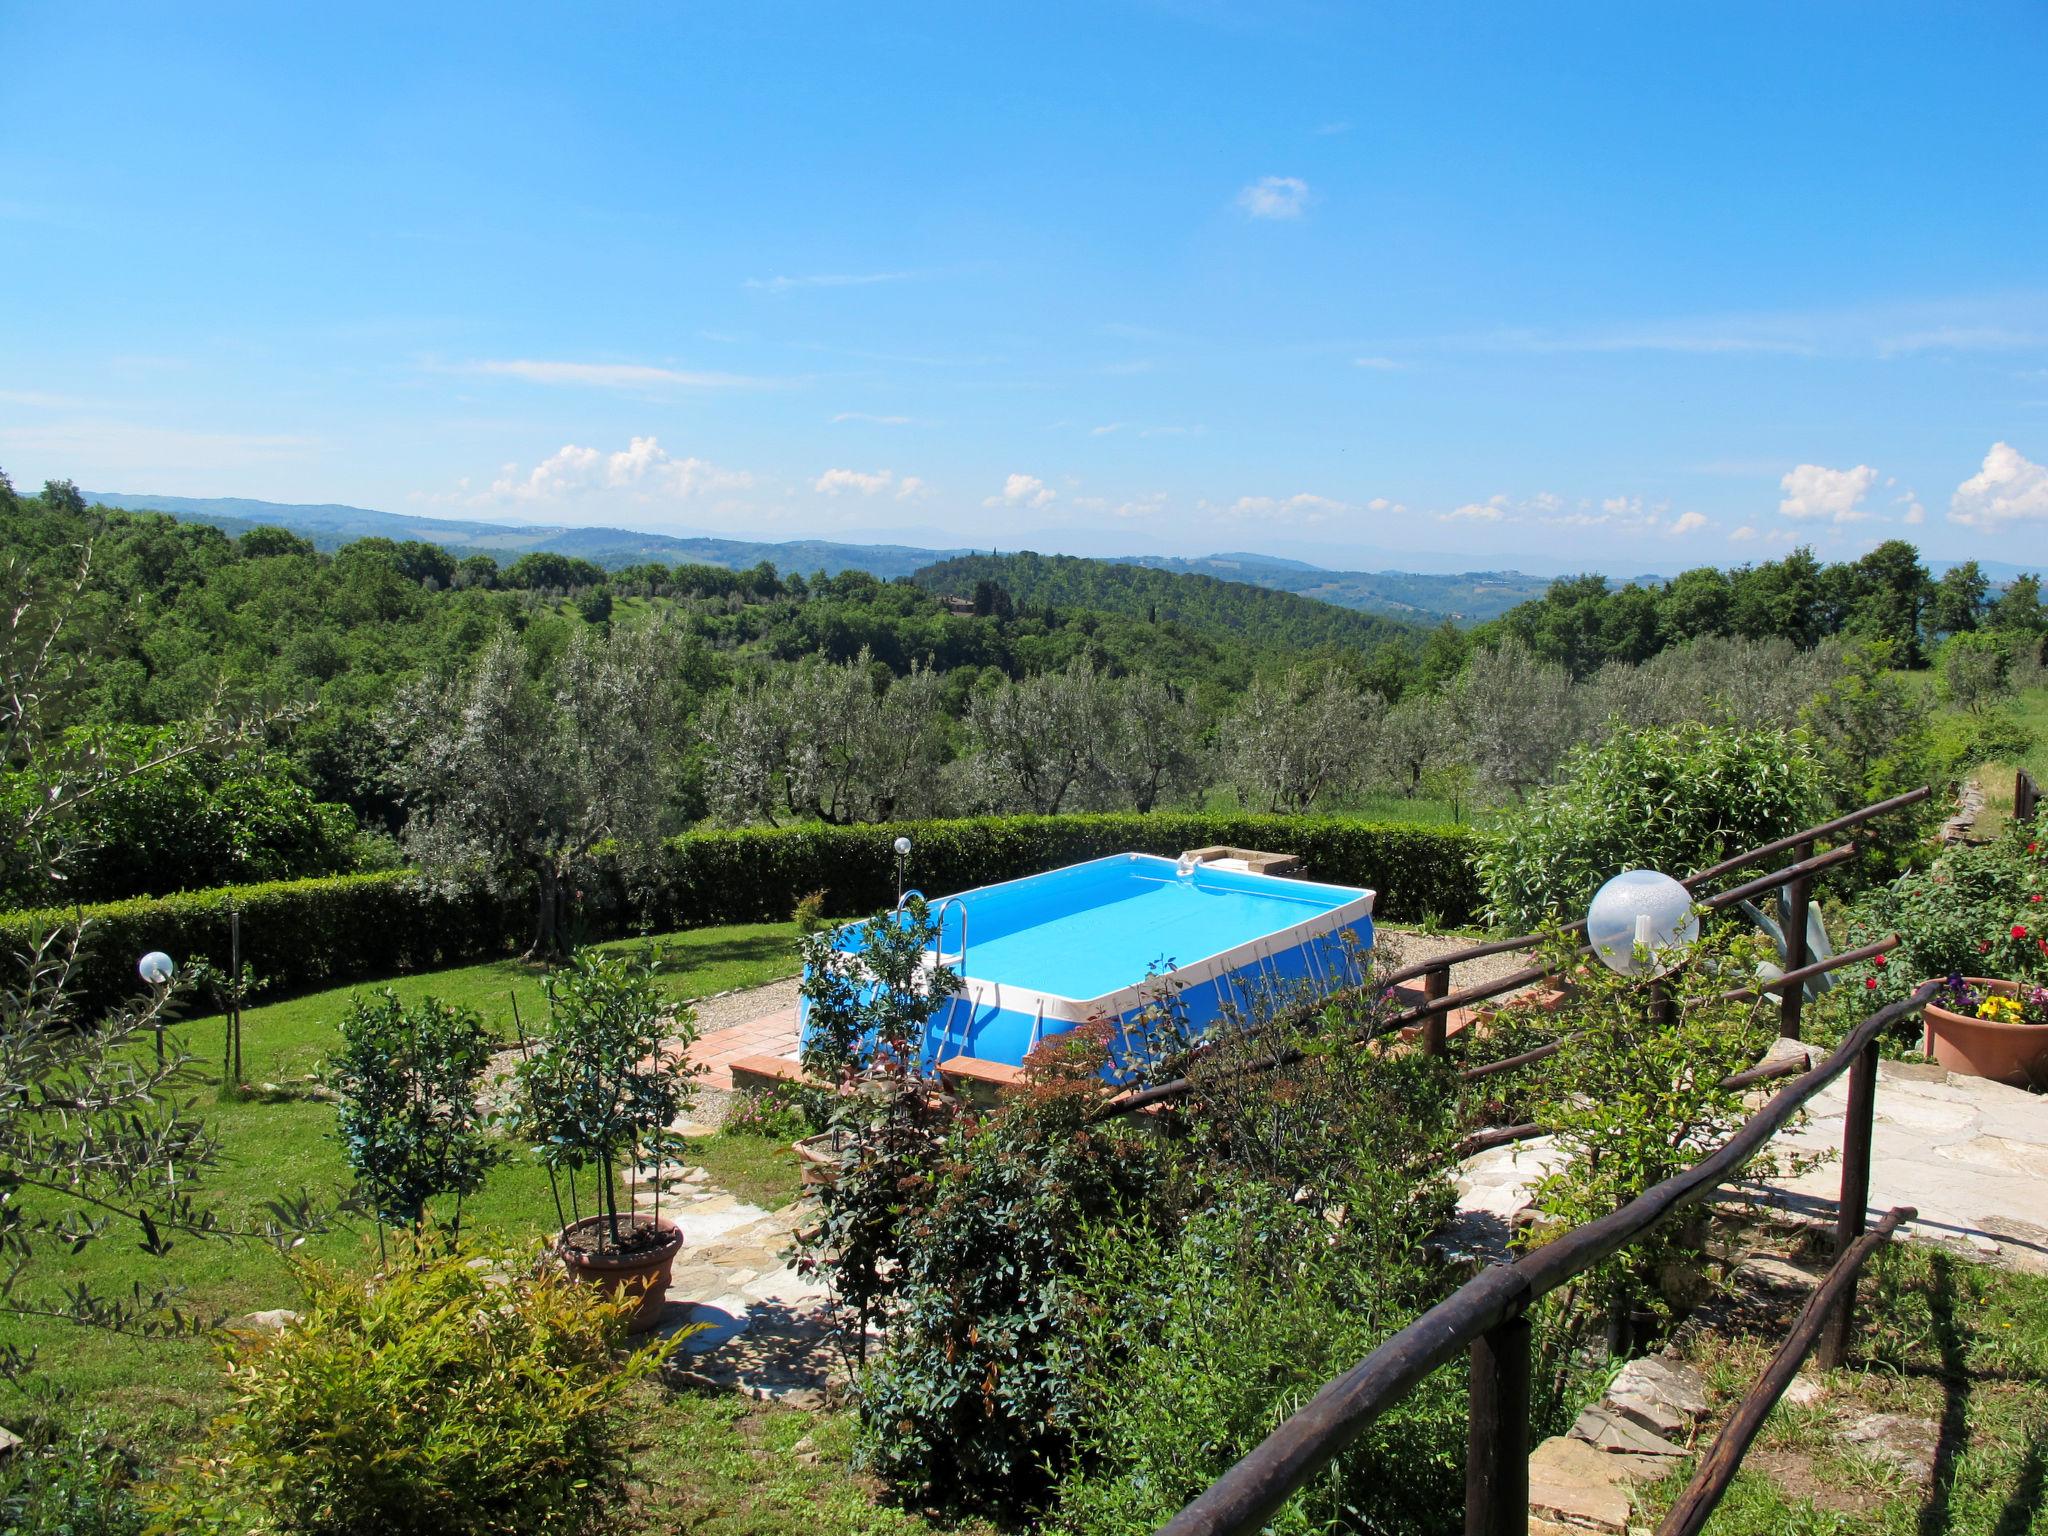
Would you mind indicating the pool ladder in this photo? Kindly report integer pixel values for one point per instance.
(939, 958)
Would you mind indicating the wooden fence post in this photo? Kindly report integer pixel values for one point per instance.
(1436, 984)
(1856, 1123)
(1793, 918)
(2026, 796)
(1497, 1445)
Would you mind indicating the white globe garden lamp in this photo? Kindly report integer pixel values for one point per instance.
(156, 967)
(1638, 919)
(902, 846)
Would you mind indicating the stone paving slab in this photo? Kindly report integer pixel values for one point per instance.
(1970, 1155)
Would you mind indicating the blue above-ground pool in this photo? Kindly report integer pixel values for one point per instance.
(1109, 938)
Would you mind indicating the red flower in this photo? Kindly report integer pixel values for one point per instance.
(2019, 930)
(1983, 946)
(1879, 961)
(2035, 897)
(1870, 983)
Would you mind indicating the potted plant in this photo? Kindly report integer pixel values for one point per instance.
(607, 1078)
(870, 989)
(1984, 1027)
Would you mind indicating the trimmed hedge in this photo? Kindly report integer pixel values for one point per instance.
(303, 934)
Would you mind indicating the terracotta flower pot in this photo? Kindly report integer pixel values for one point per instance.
(2005, 1053)
(818, 1159)
(643, 1274)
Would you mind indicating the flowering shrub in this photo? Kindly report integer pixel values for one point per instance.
(1972, 912)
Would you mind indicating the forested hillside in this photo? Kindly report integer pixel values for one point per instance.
(388, 682)
(1465, 598)
(1262, 616)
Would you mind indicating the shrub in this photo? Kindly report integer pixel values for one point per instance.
(1195, 1345)
(870, 992)
(1676, 799)
(979, 1394)
(67, 1482)
(408, 1119)
(1958, 916)
(448, 1398)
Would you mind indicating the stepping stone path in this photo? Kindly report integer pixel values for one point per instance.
(765, 1329)
(1585, 1480)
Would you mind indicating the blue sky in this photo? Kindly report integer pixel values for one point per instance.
(1442, 287)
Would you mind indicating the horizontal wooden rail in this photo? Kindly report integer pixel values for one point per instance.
(1247, 1496)
(1806, 973)
(1449, 1002)
(1840, 824)
(1717, 1468)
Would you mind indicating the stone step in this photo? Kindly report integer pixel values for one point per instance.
(1575, 1485)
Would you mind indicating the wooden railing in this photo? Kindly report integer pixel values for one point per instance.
(1487, 1318)
(1795, 879)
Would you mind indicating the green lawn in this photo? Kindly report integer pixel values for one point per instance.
(1960, 1346)
(278, 1143)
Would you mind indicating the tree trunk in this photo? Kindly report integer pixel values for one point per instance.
(549, 930)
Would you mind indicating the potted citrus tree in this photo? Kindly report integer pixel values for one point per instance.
(608, 1075)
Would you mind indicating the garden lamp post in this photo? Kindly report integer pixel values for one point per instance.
(902, 866)
(156, 969)
(1639, 924)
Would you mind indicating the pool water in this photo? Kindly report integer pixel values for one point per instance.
(1040, 955)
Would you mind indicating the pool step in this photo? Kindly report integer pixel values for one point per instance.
(977, 1079)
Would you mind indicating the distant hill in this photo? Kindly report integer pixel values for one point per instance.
(331, 526)
(1282, 620)
(1468, 598)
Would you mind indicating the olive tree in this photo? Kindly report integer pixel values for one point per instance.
(1153, 750)
(1515, 716)
(826, 741)
(513, 780)
(1303, 739)
(1038, 738)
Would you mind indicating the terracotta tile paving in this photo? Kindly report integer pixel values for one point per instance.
(772, 1035)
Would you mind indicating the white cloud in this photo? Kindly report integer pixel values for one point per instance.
(607, 375)
(1688, 522)
(862, 483)
(1491, 510)
(1327, 130)
(1742, 535)
(1916, 514)
(1298, 508)
(828, 280)
(1378, 364)
(2010, 488)
(644, 471)
(1022, 491)
(1105, 429)
(833, 481)
(1274, 197)
(878, 421)
(1815, 491)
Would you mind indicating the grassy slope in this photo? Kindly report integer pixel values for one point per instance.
(276, 1144)
(1961, 1345)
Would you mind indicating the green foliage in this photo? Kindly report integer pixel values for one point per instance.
(204, 816)
(608, 1072)
(445, 1398)
(871, 993)
(980, 1392)
(1281, 620)
(1194, 1345)
(408, 1119)
(1873, 730)
(1957, 917)
(1634, 1097)
(67, 1482)
(1677, 799)
(311, 933)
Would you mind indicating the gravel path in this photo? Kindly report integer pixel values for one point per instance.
(1399, 947)
(726, 1009)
